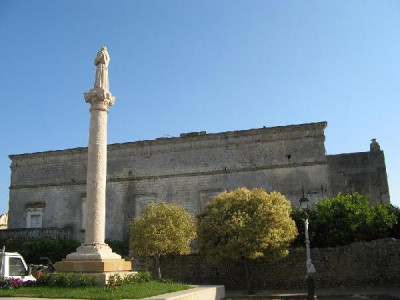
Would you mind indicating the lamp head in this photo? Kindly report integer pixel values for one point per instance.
(304, 201)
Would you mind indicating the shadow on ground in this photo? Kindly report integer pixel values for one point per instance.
(298, 296)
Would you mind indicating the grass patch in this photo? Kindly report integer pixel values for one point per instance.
(128, 291)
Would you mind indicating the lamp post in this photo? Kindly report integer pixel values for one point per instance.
(310, 267)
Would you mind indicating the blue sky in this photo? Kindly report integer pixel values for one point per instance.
(182, 66)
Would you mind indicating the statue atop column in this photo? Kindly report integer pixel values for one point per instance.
(101, 62)
(100, 96)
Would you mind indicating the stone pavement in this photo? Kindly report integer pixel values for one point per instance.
(375, 293)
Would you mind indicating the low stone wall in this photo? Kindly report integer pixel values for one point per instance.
(375, 263)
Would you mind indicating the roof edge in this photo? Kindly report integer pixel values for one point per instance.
(316, 125)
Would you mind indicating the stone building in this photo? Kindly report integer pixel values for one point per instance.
(48, 188)
(3, 221)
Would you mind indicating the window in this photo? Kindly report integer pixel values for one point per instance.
(36, 221)
(17, 268)
(34, 218)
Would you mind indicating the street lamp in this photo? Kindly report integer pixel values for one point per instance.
(310, 267)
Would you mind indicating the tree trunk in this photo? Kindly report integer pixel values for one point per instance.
(156, 270)
(248, 277)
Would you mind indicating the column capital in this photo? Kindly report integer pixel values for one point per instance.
(99, 99)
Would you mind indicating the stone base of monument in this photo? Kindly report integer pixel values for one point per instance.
(101, 265)
(95, 259)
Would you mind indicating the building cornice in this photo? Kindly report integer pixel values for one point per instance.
(186, 142)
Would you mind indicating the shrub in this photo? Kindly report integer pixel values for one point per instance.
(119, 247)
(32, 251)
(394, 231)
(244, 225)
(345, 219)
(54, 249)
(117, 280)
(143, 277)
(162, 229)
(14, 283)
(67, 280)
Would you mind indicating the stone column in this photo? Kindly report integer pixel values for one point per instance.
(94, 246)
(94, 256)
(99, 101)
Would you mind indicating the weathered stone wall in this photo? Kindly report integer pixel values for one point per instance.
(363, 172)
(188, 170)
(375, 263)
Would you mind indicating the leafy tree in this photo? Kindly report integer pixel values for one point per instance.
(347, 218)
(33, 250)
(162, 229)
(394, 231)
(298, 215)
(382, 220)
(243, 225)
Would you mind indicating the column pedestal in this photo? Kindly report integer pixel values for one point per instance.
(93, 258)
(98, 260)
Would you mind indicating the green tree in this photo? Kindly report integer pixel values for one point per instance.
(243, 225)
(298, 216)
(33, 250)
(394, 231)
(160, 230)
(347, 218)
(118, 246)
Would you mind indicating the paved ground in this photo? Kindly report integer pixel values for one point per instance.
(376, 293)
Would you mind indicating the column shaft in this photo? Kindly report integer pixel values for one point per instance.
(96, 178)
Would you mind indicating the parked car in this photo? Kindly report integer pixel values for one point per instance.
(13, 265)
